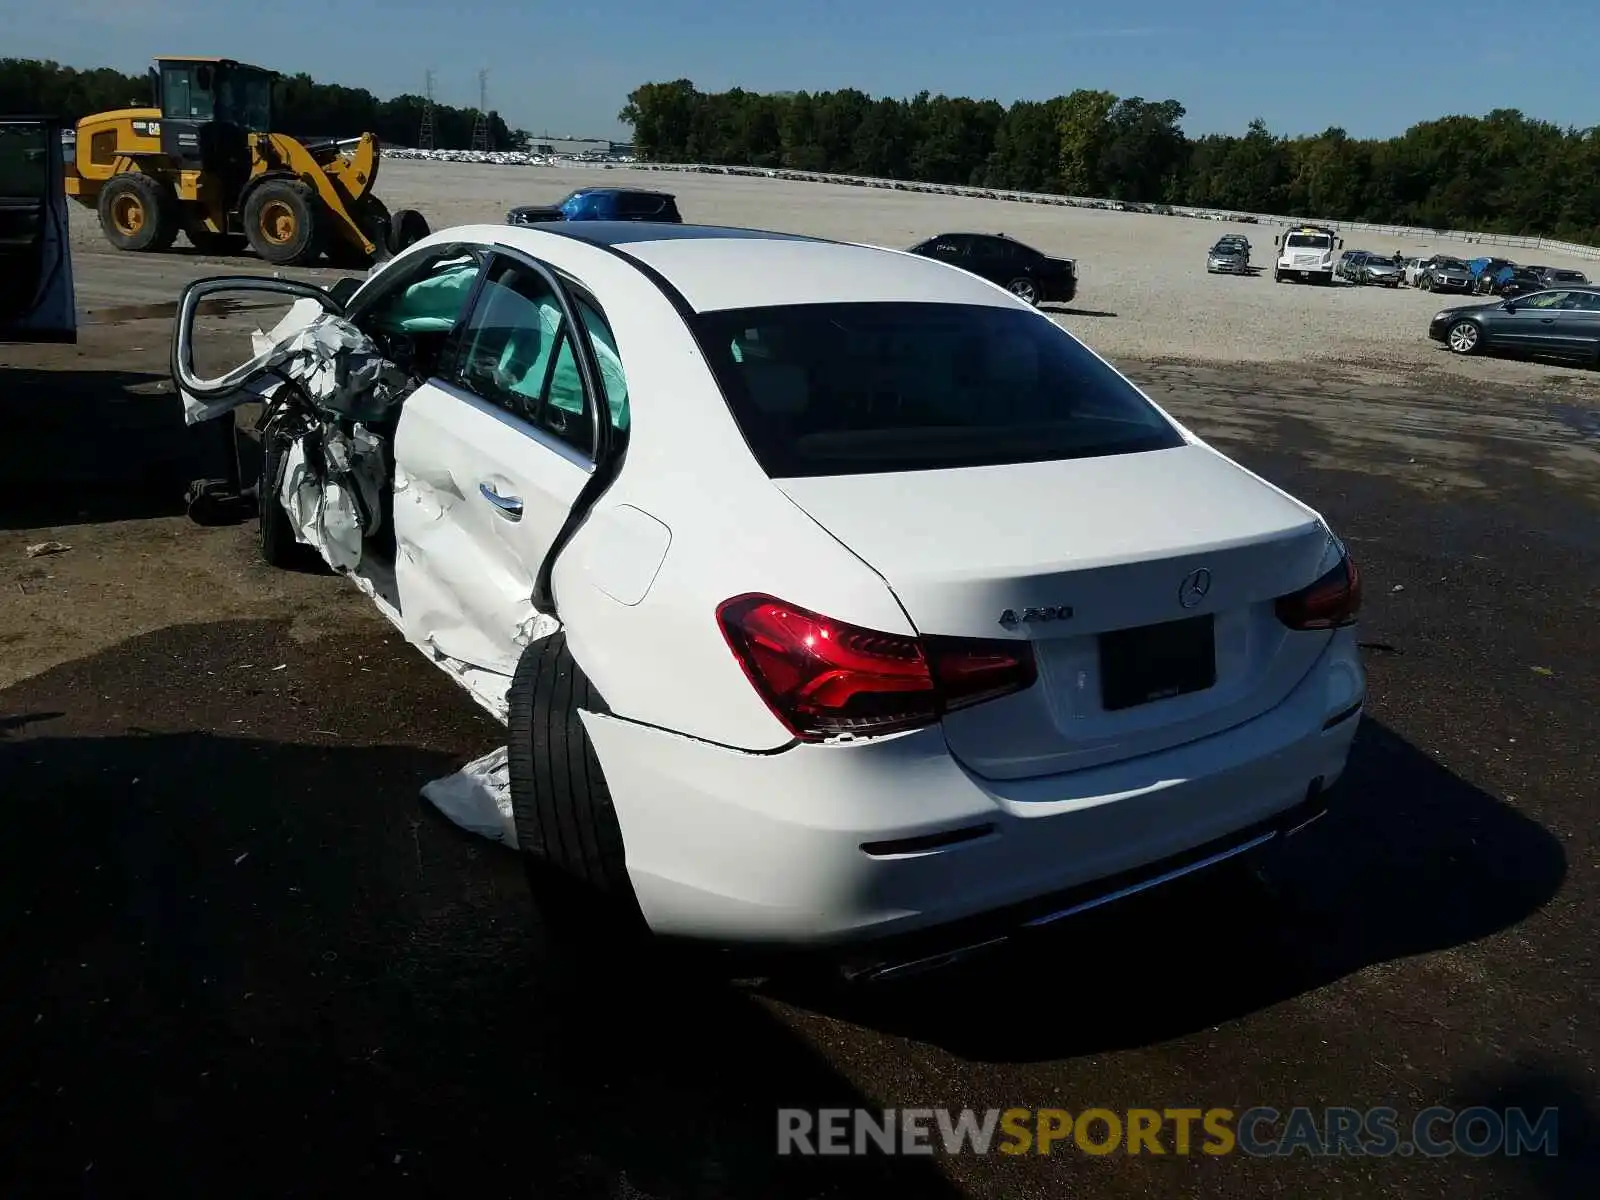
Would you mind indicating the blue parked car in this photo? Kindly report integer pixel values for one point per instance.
(602, 204)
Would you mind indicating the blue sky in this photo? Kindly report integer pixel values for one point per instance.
(1370, 66)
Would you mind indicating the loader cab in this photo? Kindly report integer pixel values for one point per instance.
(209, 107)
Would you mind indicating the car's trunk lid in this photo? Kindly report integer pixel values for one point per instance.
(1092, 546)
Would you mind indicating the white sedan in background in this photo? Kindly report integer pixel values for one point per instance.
(833, 596)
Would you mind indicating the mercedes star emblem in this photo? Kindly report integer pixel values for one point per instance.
(1194, 587)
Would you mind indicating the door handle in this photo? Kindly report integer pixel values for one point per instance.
(509, 506)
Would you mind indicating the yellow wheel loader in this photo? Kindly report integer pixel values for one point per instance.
(205, 163)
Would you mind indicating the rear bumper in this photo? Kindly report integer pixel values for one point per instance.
(841, 847)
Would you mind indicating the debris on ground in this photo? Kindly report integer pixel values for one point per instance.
(478, 798)
(39, 549)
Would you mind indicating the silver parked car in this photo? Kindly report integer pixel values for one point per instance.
(1442, 273)
(1230, 256)
(1385, 272)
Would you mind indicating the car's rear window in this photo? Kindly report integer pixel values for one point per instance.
(863, 388)
(641, 204)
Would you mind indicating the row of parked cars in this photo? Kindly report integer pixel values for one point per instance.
(1026, 273)
(1486, 276)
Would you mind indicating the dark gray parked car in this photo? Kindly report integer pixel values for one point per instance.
(1559, 276)
(1561, 321)
(1442, 273)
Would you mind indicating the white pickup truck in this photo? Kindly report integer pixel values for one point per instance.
(1305, 252)
(37, 303)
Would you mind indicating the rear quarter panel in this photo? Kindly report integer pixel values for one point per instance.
(705, 525)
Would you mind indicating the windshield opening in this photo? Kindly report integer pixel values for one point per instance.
(244, 98)
(866, 388)
(1319, 241)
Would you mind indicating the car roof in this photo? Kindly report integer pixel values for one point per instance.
(715, 267)
(977, 233)
(621, 191)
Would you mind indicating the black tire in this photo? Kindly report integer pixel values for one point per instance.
(406, 228)
(283, 222)
(567, 828)
(275, 535)
(138, 212)
(219, 244)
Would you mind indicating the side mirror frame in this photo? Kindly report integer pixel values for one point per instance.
(342, 289)
(1509, 306)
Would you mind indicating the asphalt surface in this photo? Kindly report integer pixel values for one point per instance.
(244, 957)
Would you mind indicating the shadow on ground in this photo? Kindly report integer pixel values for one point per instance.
(1412, 859)
(1571, 1166)
(99, 446)
(1066, 310)
(246, 966)
(249, 966)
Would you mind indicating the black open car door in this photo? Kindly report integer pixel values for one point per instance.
(37, 303)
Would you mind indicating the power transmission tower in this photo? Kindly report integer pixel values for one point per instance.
(425, 135)
(480, 127)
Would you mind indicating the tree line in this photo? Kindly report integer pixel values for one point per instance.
(1503, 173)
(301, 106)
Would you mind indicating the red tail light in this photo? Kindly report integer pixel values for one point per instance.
(1329, 603)
(823, 678)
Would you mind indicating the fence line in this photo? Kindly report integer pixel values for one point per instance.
(523, 158)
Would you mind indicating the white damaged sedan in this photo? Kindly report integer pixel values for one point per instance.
(833, 597)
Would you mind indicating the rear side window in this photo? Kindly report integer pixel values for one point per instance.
(851, 389)
(517, 352)
(638, 206)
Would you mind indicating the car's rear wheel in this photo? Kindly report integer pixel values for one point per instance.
(1024, 290)
(1464, 337)
(567, 828)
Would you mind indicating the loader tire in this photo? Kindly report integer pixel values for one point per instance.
(567, 827)
(218, 244)
(283, 222)
(138, 212)
(406, 228)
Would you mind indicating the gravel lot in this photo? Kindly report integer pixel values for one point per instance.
(1144, 294)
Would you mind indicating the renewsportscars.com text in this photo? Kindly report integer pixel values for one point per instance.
(1257, 1132)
